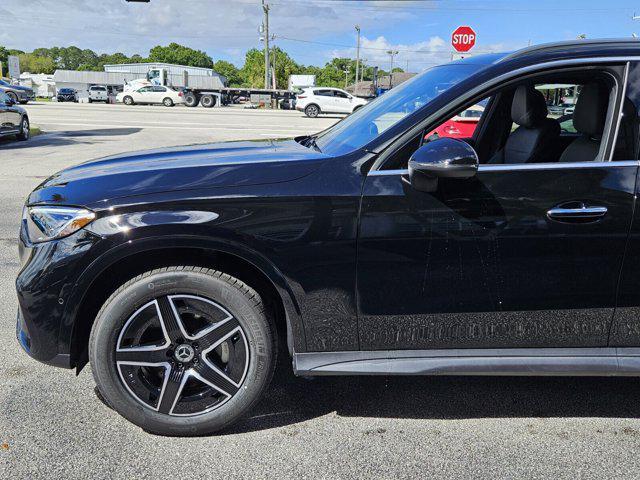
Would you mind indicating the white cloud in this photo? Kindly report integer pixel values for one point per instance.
(216, 26)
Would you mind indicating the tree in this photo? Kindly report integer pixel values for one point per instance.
(285, 67)
(230, 71)
(181, 55)
(252, 72)
(4, 55)
(36, 64)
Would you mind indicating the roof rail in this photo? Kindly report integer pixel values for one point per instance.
(570, 43)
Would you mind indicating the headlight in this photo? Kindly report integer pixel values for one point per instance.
(50, 223)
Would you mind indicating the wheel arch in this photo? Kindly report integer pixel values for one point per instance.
(118, 265)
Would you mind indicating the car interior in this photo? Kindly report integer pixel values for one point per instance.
(552, 118)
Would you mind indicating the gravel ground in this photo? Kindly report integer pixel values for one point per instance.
(52, 425)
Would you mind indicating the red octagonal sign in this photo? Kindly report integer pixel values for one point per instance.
(463, 39)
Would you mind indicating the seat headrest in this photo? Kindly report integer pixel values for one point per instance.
(591, 110)
(529, 108)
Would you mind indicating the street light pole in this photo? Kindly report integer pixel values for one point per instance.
(346, 78)
(391, 53)
(265, 9)
(357, 53)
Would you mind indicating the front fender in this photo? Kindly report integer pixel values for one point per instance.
(126, 248)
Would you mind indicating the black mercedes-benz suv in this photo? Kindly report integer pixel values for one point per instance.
(366, 249)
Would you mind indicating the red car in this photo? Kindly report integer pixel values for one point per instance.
(461, 126)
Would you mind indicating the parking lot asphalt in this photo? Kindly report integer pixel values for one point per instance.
(52, 425)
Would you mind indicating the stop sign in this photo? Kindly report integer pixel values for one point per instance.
(463, 39)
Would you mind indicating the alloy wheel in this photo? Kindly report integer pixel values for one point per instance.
(25, 129)
(182, 355)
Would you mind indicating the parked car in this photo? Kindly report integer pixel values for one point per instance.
(461, 126)
(152, 94)
(316, 100)
(17, 93)
(180, 273)
(13, 119)
(67, 95)
(98, 93)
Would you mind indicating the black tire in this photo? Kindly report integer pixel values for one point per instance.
(25, 129)
(191, 99)
(90, 101)
(167, 102)
(128, 100)
(242, 303)
(24, 102)
(208, 101)
(13, 97)
(312, 110)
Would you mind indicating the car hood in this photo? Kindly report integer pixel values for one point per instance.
(228, 164)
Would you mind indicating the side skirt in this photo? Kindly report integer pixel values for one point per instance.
(606, 361)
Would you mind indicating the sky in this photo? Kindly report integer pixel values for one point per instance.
(311, 31)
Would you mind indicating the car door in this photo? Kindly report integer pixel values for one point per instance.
(11, 115)
(324, 98)
(4, 118)
(143, 95)
(342, 102)
(519, 256)
(159, 94)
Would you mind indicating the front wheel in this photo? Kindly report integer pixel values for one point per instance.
(167, 102)
(127, 100)
(182, 350)
(312, 111)
(25, 130)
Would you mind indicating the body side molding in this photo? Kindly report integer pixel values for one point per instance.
(605, 361)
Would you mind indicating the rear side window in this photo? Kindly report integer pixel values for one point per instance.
(323, 93)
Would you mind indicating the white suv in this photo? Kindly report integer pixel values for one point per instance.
(98, 93)
(316, 100)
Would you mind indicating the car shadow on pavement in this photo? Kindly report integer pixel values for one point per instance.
(68, 137)
(292, 400)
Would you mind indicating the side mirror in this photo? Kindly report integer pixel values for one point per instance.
(442, 158)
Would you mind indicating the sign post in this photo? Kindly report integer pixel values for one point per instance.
(14, 66)
(463, 39)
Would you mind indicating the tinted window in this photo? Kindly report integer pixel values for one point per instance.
(145, 90)
(323, 93)
(364, 125)
(337, 93)
(159, 89)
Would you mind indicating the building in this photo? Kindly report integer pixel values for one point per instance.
(116, 76)
(42, 84)
(366, 88)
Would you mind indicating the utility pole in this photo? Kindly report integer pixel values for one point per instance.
(362, 68)
(357, 54)
(265, 9)
(275, 56)
(391, 53)
(346, 78)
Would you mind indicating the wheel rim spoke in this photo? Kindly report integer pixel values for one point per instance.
(141, 356)
(172, 389)
(219, 334)
(170, 319)
(217, 379)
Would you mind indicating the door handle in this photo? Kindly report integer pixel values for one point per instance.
(579, 212)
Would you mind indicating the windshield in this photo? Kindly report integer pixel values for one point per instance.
(366, 124)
